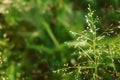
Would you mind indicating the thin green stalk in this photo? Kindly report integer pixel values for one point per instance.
(95, 55)
(56, 43)
(87, 55)
(93, 28)
(111, 56)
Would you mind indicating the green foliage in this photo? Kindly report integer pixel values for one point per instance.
(33, 32)
(35, 43)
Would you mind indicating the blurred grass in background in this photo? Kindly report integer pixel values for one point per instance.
(33, 32)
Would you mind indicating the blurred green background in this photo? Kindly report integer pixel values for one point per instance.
(33, 32)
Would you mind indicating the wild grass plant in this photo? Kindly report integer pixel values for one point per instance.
(95, 60)
(32, 35)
